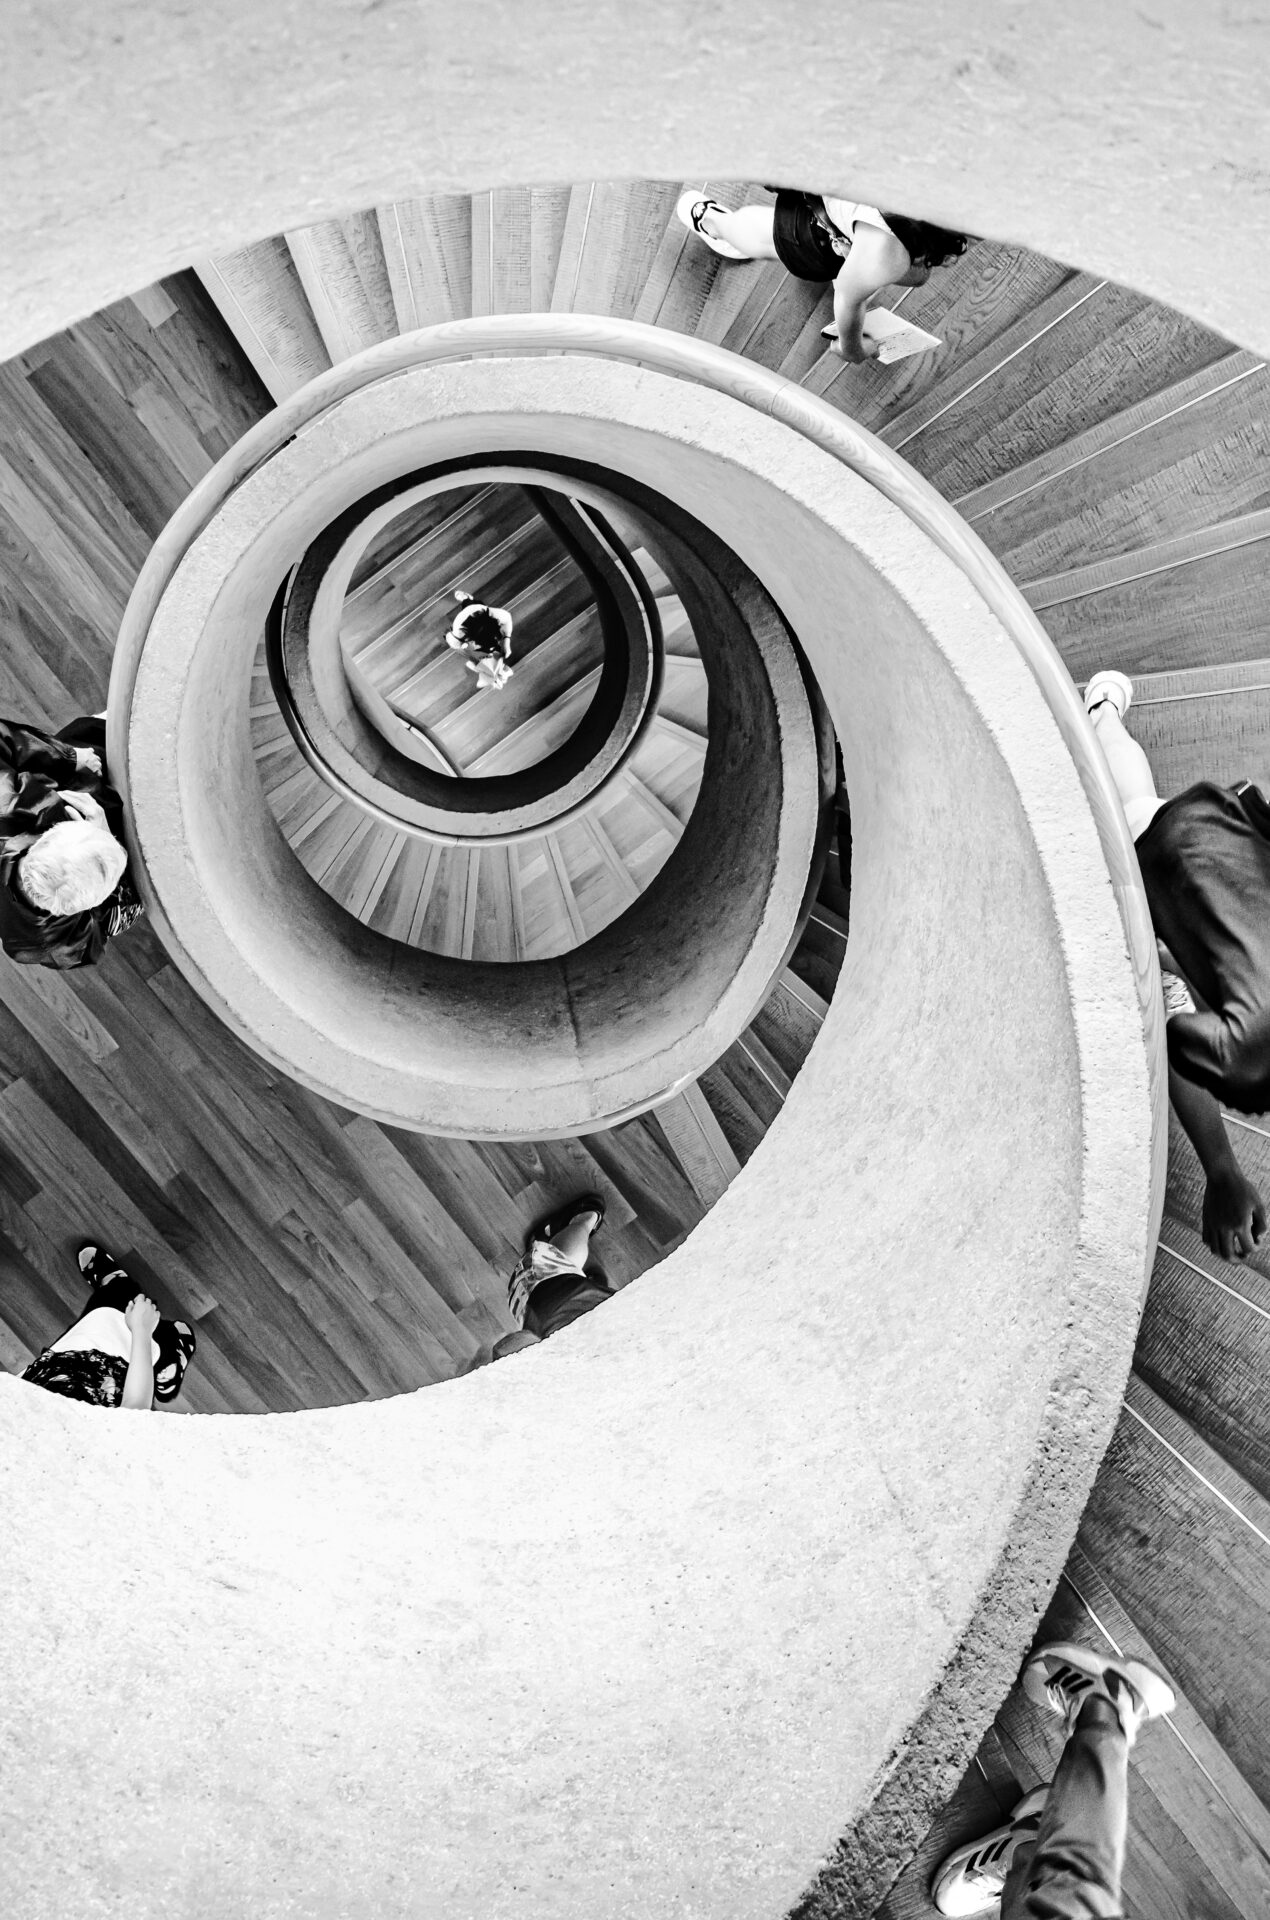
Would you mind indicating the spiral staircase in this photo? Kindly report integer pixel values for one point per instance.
(1110, 453)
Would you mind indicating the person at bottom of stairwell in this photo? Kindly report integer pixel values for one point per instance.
(119, 1352)
(486, 634)
(820, 238)
(1061, 1857)
(556, 1281)
(1205, 861)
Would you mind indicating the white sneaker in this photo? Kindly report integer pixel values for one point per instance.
(971, 1879)
(1064, 1676)
(1177, 996)
(1115, 688)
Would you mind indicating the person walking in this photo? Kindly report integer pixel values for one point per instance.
(120, 1352)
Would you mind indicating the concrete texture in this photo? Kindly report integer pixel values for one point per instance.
(1130, 140)
(701, 1607)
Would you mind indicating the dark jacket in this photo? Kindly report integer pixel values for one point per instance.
(40, 765)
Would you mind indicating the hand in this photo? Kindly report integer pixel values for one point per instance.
(141, 1315)
(858, 352)
(1234, 1222)
(84, 805)
(86, 761)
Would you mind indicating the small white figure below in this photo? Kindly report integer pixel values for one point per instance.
(486, 634)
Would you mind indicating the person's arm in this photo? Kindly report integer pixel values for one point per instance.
(142, 1317)
(23, 750)
(876, 260)
(1234, 1219)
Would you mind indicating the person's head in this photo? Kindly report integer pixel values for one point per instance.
(72, 867)
(481, 630)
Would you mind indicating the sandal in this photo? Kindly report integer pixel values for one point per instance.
(169, 1378)
(98, 1266)
(691, 208)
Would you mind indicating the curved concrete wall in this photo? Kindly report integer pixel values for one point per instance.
(645, 1621)
(594, 1728)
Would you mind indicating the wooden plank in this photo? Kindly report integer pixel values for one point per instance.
(511, 249)
(1125, 447)
(342, 269)
(1140, 564)
(257, 291)
(699, 1145)
(1207, 610)
(1108, 354)
(427, 245)
(1187, 1770)
(1185, 1541)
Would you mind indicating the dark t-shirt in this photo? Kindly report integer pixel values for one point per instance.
(1205, 861)
(557, 1302)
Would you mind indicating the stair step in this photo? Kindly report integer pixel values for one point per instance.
(1204, 1348)
(699, 1144)
(1189, 448)
(345, 276)
(1185, 1542)
(258, 292)
(428, 257)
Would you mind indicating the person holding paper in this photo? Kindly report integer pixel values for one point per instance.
(821, 238)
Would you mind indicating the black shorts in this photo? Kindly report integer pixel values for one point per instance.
(1205, 861)
(802, 246)
(562, 1299)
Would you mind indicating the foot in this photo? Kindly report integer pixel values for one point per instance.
(970, 1880)
(98, 1266)
(694, 209)
(1062, 1677)
(1115, 688)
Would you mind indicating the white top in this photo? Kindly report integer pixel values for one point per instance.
(845, 213)
(102, 1330)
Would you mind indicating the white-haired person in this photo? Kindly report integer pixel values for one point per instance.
(120, 1352)
(64, 883)
(1060, 1856)
(1204, 855)
(486, 634)
(821, 238)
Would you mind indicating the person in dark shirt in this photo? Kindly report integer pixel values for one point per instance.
(1205, 861)
(556, 1281)
(821, 238)
(64, 884)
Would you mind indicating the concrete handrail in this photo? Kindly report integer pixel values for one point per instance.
(836, 1446)
(348, 733)
(824, 426)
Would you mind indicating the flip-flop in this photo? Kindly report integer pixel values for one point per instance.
(169, 1379)
(690, 207)
(98, 1266)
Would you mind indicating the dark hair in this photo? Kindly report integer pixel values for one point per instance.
(926, 244)
(480, 629)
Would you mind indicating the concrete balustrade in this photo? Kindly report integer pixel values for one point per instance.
(353, 738)
(701, 1608)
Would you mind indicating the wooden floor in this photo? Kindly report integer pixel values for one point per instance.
(1116, 457)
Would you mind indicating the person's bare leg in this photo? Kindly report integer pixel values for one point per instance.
(749, 230)
(1129, 767)
(574, 1241)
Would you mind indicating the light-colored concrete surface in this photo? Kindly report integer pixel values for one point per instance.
(707, 1601)
(1127, 139)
